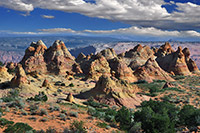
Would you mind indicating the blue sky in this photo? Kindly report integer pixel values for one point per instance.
(178, 19)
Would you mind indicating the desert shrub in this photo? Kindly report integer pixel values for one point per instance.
(189, 116)
(157, 116)
(73, 114)
(71, 85)
(11, 96)
(44, 119)
(62, 116)
(125, 118)
(4, 122)
(33, 109)
(1, 63)
(18, 102)
(140, 82)
(18, 128)
(136, 128)
(32, 118)
(23, 112)
(94, 104)
(40, 97)
(7, 109)
(179, 77)
(102, 124)
(77, 127)
(51, 130)
(43, 112)
(54, 108)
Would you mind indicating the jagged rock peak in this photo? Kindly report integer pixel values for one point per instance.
(109, 53)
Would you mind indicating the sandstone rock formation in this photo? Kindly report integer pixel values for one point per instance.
(115, 92)
(174, 62)
(109, 53)
(46, 84)
(4, 73)
(137, 56)
(20, 77)
(122, 71)
(58, 58)
(164, 50)
(151, 71)
(33, 60)
(190, 63)
(98, 66)
(70, 98)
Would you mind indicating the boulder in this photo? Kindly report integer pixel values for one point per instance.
(20, 77)
(46, 84)
(70, 98)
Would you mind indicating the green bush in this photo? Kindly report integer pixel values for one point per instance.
(102, 124)
(18, 128)
(189, 116)
(40, 97)
(12, 96)
(125, 118)
(71, 85)
(156, 116)
(94, 104)
(4, 122)
(43, 112)
(77, 127)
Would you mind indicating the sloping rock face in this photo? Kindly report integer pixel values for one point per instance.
(174, 62)
(115, 92)
(138, 56)
(3, 72)
(151, 71)
(33, 60)
(58, 58)
(81, 57)
(109, 53)
(20, 77)
(192, 66)
(98, 66)
(122, 71)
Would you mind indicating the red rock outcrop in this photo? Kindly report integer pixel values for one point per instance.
(164, 50)
(3, 72)
(58, 58)
(192, 66)
(98, 66)
(151, 71)
(174, 62)
(33, 60)
(20, 77)
(137, 56)
(113, 92)
(122, 71)
(109, 53)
